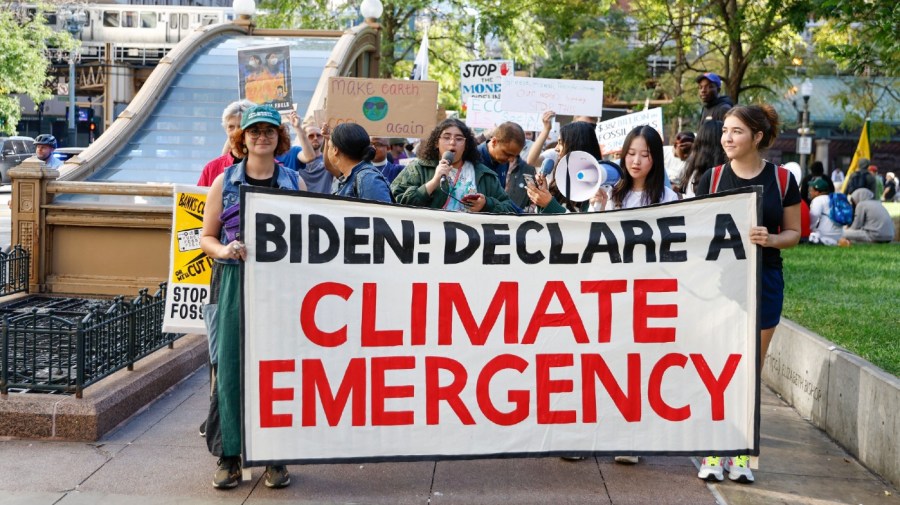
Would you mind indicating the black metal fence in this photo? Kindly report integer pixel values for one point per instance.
(14, 271)
(66, 344)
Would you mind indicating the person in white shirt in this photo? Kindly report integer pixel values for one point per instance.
(822, 229)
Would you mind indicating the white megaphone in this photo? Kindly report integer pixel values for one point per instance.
(585, 174)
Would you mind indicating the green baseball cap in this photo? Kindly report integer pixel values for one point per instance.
(260, 114)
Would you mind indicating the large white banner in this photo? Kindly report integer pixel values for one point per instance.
(611, 134)
(382, 332)
(562, 96)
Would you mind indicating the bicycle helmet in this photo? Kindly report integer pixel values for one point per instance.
(45, 139)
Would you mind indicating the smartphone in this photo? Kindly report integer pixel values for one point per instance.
(529, 179)
(470, 198)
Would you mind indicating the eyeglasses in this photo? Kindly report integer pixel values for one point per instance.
(455, 139)
(254, 133)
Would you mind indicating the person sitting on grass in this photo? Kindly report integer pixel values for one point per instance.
(823, 229)
(871, 221)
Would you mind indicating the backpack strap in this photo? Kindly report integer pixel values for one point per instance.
(783, 177)
(716, 177)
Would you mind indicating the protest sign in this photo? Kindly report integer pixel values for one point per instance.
(384, 107)
(190, 268)
(481, 79)
(264, 74)
(378, 332)
(487, 113)
(563, 96)
(611, 134)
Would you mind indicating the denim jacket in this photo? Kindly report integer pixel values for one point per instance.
(234, 178)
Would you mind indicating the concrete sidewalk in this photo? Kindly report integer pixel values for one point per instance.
(157, 457)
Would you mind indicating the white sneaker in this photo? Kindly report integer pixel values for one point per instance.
(711, 469)
(738, 468)
(627, 460)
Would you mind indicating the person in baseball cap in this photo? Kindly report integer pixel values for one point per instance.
(714, 106)
(260, 114)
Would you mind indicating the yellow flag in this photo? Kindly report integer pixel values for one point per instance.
(862, 151)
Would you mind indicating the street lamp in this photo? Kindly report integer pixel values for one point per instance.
(804, 142)
(245, 9)
(371, 10)
(75, 18)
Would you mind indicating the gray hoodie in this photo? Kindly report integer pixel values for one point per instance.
(870, 216)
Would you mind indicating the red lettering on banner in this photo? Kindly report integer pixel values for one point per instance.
(268, 393)
(435, 393)
(381, 391)
(315, 384)
(452, 299)
(593, 365)
(654, 389)
(308, 314)
(518, 397)
(418, 313)
(569, 316)
(546, 386)
(369, 335)
(716, 386)
(643, 311)
(604, 291)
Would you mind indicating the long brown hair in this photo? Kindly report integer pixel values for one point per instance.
(759, 118)
(284, 141)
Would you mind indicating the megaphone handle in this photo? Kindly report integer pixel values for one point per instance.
(568, 182)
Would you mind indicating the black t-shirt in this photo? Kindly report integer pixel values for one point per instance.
(892, 190)
(773, 207)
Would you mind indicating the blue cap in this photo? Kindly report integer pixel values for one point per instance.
(260, 114)
(711, 77)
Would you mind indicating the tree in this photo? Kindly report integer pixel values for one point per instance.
(459, 30)
(23, 61)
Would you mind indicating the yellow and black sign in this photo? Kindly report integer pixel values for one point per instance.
(190, 268)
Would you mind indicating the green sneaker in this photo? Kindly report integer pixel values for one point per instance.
(738, 468)
(711, 469)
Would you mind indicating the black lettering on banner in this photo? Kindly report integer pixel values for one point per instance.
(270, 230)
(595, 244)
(529, 258)
(296, 234)
(492, 239)
(451, 254)
(384, 234)
(353, 239)
(556, 245)
(638, 233)
(726, 236)
(667, 237)
(319, 224)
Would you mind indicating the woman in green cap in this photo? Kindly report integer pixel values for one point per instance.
(260, 138)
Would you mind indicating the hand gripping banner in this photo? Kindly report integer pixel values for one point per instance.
(377, 332)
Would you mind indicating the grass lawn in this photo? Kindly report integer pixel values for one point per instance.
(850, 296)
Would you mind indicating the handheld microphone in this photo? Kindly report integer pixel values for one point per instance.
(448, 157)
(547, 166)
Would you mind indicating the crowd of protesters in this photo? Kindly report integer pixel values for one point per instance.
(495, 172)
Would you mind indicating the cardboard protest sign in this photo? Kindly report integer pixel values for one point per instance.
(190, 268)
(384, 107)
(487, 113)
(611, 134)
(382, 332)
(264, 75)
(563, 96)
(481, 79)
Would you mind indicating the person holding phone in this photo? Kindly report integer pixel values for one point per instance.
(448, 175)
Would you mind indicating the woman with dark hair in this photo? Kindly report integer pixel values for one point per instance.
(448, 175)
(260, 138)
(706, 153)
(348, 153)
(747, 133)
(544, 194)
(643, 179)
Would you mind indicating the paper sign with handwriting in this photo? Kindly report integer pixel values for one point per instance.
(563, 96)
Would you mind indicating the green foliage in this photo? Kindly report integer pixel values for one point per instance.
(840, 294)
(23, 63)
(863, 35)
(312, 15)
(870, 98)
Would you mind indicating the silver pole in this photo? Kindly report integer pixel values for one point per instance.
(72, 132)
